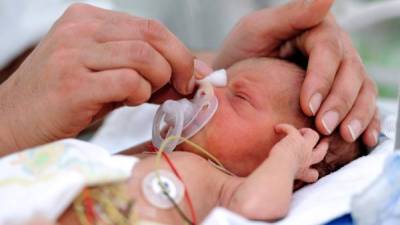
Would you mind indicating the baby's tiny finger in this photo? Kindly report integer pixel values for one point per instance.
(310, 176)
(319, 152)
(310, 135)
(285, 128)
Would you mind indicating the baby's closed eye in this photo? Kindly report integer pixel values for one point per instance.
(240, 92)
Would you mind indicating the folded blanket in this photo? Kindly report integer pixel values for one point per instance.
(43, 181)
(380, 202)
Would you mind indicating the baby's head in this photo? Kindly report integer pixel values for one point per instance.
(260, 94)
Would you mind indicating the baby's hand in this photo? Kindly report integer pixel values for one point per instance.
(302, 145)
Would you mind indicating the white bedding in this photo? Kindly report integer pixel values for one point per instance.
(315, 204)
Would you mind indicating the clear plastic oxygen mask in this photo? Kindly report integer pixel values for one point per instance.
(184, 118)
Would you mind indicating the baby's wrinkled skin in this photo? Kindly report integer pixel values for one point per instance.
(260, 94)
(250, 134)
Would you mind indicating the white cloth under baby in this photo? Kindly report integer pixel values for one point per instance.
(43, 181)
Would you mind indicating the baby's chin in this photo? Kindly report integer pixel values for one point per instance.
(199, 140)
(234, 166)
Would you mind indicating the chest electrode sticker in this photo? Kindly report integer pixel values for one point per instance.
(155, 194)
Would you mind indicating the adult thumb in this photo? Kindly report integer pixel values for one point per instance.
(292, 18)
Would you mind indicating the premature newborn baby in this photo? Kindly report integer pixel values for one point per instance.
(262, 93)
(259, 134)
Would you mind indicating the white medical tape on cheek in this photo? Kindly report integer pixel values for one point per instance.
(154, 193)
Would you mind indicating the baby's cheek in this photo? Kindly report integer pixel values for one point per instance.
(222, 143)
(234, 147)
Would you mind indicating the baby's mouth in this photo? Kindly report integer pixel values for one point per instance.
(184, 118)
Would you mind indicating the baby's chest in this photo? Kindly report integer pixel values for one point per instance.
(191, 184)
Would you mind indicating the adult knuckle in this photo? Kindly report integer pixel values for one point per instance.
(77, 9)
(129, 80)
(371, 85)
(63, 57)
(72, 30)
(70, 82)
(355, 69)
(153, 29)
(76, 29)
(65, 30)
(332, 46)
(342, 100)
(355, 62)
(322, 81)
(140, 89)
(141, 51)
(247, 22)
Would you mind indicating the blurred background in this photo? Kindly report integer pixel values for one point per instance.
(373, 24)
(202, 24)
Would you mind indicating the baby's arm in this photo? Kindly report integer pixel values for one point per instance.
(266, 193)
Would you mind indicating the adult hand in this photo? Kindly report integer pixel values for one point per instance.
(91, 61)
(337, 89)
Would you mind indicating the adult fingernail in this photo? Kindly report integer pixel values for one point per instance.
(315, 103)
(202, 68)
(330, 121)
(191, 85)
(354, 129)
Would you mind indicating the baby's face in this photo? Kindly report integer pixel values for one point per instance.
(260, 94)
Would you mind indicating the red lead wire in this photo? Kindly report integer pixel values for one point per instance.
(89, 208)
(173, 168)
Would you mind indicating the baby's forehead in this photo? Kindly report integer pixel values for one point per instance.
(276, 82)
(265, 70)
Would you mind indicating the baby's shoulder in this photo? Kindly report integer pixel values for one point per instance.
(188, 159)
(179, 159)
(188, 164)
